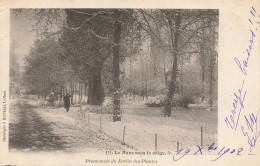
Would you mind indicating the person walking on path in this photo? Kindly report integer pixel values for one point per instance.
(66, 100)
(52, 99)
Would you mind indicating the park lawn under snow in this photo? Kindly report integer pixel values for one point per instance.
(141, 124)
(79, 137)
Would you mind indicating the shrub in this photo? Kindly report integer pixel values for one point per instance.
(185, 101)
(99, 109)
(157, 101)
(105, 108)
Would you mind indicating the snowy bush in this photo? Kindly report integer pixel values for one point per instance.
(157, 101)
(106, 108)
(183, 102)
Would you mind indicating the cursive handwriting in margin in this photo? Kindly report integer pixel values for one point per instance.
(232, 120)
(244, 65)
(251, 132)
(252, 124)
(221, 152)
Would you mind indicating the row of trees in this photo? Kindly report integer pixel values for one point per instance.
(196, 57)
(134, 51)
(14, 71)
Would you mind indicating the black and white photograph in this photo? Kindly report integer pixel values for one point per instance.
(113, 79)
(129, 82)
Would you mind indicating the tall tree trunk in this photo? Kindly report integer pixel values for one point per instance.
(181, 79)
(146, 89)
(211, 83)
(116, 67)
(44, 91)
(91, 97)
(71, 92)
(165, 73)
(203, 64)
(134, 87)
(154, 54)
(211, 70)
(60, 90)
(130, 79)
(79, 92)
(96, 93)
(142, 76)
(203, 81)
(124, 78)
(174, 40)
(75, 93)
(38, 89)
(212, 64)
(142, 82)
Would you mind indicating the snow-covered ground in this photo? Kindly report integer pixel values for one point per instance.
(142, 123)
(74, 131)
(96, 132)
(36, 128)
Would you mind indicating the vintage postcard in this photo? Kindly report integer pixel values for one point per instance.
(130, 82)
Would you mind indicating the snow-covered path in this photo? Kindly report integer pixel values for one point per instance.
(45, 129)
(31, 132)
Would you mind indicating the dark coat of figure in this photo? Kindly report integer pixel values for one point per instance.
(66, 100)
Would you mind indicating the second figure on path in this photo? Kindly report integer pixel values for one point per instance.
(66, 100)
